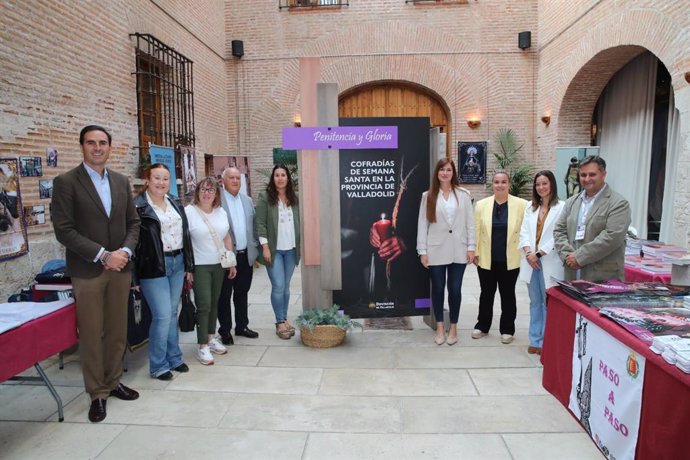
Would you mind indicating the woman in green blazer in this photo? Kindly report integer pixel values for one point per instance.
(277, 223)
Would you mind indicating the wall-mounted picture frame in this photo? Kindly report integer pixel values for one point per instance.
(51, 157)
(35, 215)
(13, 237)
(45, 188)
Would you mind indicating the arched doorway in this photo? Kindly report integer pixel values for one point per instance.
(395, 99)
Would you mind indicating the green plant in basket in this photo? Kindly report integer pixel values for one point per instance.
(309, 319)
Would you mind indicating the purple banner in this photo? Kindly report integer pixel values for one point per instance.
(340, 137)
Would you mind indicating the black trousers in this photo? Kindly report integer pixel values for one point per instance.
(499, 276)
(237, 290)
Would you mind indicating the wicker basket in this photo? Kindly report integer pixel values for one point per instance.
(322, 336)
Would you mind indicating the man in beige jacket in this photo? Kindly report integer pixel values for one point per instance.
(590, 232)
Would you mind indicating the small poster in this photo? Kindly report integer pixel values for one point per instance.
(45, 188)
(51, 157)
(35, 215)
(13, 239)
(220, 162)
(472, 162)
(188, 156)
(166, 156)
(30, 166)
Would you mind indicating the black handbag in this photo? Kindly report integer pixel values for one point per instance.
(138, 320)
(187, 319)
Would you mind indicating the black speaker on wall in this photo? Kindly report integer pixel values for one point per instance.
(524, 40)
(238, 48)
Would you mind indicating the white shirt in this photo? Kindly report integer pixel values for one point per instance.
(206, 251)
(286, 228)
(450, 205)
(238, 218)
(171, 224)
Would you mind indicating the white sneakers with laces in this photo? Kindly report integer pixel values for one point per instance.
(217, 347)
(203, 355)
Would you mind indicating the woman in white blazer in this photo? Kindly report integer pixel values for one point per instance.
(540, 260)
(445, 242)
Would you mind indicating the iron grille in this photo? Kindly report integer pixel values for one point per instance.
(165, 96)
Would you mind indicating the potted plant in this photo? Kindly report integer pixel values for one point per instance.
(507, 159)
(324, 328)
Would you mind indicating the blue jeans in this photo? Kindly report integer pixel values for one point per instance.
(438, 287)
(163, 296)
(280, 274)
(537, 308)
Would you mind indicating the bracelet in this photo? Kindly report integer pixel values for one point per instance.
(105, 258)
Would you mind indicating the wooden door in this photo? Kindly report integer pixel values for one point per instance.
(395, 99)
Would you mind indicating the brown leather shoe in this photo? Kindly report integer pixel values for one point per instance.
(534, 350)
(124, 393)
(97, 410)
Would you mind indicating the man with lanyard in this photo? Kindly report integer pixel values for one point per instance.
(590, 232)
(240, 211)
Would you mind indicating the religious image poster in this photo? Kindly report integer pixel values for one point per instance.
(188, 158)
(471, 162)
(166, 156)
(606, 390)
(51, 157)
(380, 194)
(13, 238)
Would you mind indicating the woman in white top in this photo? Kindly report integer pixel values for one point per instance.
(445, 242)
(277, 224)
(540, 260)
(209, 228)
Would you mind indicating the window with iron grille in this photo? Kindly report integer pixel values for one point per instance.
(165, 98)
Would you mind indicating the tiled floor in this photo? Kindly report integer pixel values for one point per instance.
(382, 395)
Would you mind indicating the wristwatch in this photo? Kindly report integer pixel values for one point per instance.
(538, 254)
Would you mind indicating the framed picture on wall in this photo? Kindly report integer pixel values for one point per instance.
(472, 162)
(30, 167)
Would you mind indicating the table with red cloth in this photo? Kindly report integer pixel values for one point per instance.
(665, 406)
(636, 275)
(35, 341)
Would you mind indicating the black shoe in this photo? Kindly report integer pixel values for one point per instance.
(165, 376)
(124, 393)
(227, 339)
(182, 368)
(248, 333)
(97, 410)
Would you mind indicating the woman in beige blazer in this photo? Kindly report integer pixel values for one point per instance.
(540, 261)
(498, 219)
(445, 242)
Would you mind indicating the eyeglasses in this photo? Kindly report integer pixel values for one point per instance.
(208, 190)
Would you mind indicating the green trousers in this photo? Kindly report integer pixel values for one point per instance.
(208, 279)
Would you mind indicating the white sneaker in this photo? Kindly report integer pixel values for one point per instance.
(506, 339)
(477, 334)
(204, 356)
(217, 347)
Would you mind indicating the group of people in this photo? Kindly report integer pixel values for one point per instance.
(114, 241)
(510, 238)
(108, 234)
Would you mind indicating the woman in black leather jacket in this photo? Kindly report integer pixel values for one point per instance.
(163, 258)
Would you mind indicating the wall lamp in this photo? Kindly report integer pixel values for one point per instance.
(546, 119)
(297, 120)
(474, 123)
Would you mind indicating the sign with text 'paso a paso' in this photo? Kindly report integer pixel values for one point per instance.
(340, 137)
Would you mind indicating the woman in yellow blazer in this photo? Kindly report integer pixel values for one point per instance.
(277, 223)
(498, 220)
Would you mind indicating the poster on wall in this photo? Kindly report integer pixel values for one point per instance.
(13, 238)
(220, 162)
(567, 162)
(188, 157)
(45, 188)
(30, 167)
(35, 215)
(472, 162)
(606, 390)
(166, 156)
(380, 193)
(51, 157)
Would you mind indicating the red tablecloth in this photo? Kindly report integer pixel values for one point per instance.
(633, 275)
(665, 413)
(37, 340)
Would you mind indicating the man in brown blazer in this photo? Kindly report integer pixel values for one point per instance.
(95, 219)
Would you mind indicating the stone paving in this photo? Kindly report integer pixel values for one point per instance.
(384, 394)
